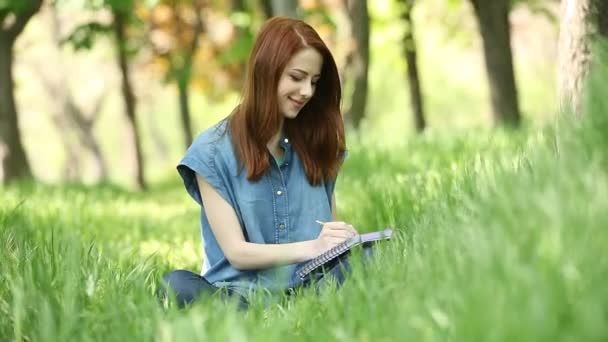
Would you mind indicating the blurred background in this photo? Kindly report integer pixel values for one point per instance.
(113, 91)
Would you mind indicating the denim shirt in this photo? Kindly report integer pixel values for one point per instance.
(281, 207)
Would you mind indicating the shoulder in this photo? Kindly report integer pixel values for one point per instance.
(209, 156)
(212, 137)
(211, 151)
(212, 144)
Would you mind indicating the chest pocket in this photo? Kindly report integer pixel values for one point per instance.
(248, 192)
(313, 201)
(255, 207)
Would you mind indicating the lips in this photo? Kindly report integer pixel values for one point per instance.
(297, 103)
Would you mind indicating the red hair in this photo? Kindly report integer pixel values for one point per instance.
(317, 132)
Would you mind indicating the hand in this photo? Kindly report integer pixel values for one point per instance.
(332, 234)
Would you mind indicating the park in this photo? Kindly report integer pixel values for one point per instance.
(475, 130)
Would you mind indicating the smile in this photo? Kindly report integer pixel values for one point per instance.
(297, 103)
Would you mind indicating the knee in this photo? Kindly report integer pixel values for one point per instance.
(174, 284)
(174, 278)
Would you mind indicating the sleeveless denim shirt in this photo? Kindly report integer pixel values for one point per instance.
(281, 207)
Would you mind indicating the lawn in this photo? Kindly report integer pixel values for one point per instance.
(501, 236)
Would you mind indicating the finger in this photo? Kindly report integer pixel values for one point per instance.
(341, 234)
(343, 227)
(347, 228)
(334, 225)
(336, 240)
(350, 228)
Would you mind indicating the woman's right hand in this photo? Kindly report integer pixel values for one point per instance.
(332, 234)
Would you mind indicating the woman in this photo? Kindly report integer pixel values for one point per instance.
(265, 175)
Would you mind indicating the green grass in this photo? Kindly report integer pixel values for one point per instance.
(502, 237)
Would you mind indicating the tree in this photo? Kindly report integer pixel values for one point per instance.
(582, 21)
(266, 6)
(359, 60)
(183, 74)
(180, 57)
(70, 116)
(121, 15)
(13, 18)
(409, 50)
(83, 37)
(493, 19)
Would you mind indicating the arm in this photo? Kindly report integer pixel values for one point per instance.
(245, 255)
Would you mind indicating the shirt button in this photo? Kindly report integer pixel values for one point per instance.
(286, 140)
(279, 192)
(282, 226)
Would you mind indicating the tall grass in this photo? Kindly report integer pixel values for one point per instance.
(501, 238)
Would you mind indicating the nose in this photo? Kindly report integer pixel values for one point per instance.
(306, 90)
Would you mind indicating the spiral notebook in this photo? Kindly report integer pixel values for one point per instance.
(343, 248)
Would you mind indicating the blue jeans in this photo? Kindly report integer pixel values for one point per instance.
(188, 286)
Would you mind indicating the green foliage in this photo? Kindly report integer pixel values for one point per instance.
(83, 37)
(18, 8)
(151, 3)
(21, 6)
(239, 50)
(501, 236)
(319, 12)
(121, 6)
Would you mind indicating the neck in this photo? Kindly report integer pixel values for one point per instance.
(273, 143)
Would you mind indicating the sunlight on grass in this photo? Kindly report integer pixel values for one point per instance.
(177, 254)
(497, 229)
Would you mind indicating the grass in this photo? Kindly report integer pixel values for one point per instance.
(501, 238)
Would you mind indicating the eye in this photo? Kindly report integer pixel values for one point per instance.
(295, 78)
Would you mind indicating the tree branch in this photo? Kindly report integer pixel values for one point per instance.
(198, 30)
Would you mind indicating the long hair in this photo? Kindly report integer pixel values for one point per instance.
(317, 132)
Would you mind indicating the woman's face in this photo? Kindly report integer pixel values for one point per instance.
(298, 81)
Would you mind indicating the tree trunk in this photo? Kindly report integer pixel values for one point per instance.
(580, 21)
(602, 17)
(240, 6)
(184, 109)
(14, 161)
(86, 136)
(288, 8)
(182, 71)
(71, 168)
(409, 49)
(493, 19)
(12, 154)
(72, 116)
(359, 17)
(266, 8)
(129, 98)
